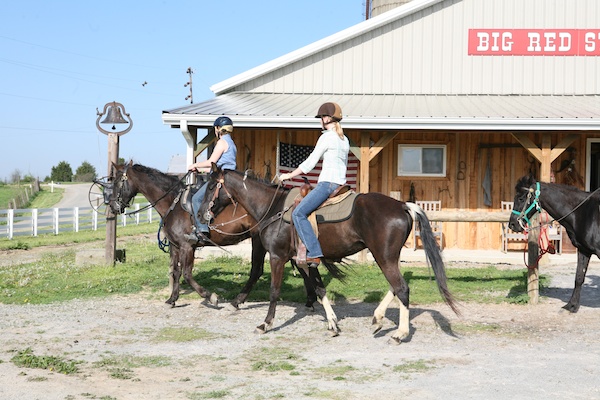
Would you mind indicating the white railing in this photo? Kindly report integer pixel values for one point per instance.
(37, 221)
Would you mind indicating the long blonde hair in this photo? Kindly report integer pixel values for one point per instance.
(338, 129)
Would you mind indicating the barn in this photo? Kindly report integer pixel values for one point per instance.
(449, 100)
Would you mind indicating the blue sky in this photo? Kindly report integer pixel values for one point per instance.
(60, 60)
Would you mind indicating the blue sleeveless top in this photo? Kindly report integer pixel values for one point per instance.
(227, 159)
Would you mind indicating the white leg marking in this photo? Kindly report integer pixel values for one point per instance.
(403, 324)
(331, 317)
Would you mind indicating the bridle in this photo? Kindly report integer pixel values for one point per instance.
(530, 208)
(126, 204)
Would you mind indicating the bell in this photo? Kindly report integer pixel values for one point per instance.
(114, 116)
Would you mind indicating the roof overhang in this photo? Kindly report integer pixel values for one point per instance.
(398, 112)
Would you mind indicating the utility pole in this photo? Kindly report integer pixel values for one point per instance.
(189, 71)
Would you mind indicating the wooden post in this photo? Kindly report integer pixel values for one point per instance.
(533, 274)
(111, 218)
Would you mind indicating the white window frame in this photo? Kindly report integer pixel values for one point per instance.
(399, 170)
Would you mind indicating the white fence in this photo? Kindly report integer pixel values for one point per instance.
(34, 221)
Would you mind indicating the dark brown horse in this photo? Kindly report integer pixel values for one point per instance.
(161, 190)
(378, 223)
(577, 211)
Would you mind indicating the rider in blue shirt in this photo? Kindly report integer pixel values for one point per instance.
(224, 155)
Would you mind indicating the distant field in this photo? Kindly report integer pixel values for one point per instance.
(9, 192)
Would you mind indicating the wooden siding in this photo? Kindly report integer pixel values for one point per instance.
(467, 157)
(427, 53)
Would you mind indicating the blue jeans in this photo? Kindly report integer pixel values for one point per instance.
(310, 203)
(197, 199)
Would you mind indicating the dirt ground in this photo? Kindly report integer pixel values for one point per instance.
(128, 349)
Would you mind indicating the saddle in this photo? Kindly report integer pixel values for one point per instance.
(338, 207)
(189, 191)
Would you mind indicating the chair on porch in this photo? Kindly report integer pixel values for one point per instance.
(436, 227)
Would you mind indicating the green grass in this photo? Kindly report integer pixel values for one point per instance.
(67, 238)
(46, 199)
(26, 358)
(57, 277)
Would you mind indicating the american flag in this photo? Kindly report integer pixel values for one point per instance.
(291, 155)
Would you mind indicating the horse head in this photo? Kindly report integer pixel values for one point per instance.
(525, 204)
(123, 189)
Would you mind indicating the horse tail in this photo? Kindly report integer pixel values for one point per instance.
(335, 271)
(433, 254)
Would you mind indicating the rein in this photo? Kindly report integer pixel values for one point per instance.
(151, 205)
(221, 183)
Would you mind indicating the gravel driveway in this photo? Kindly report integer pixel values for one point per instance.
(131, 348)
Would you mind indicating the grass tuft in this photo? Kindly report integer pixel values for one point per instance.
(26, 358)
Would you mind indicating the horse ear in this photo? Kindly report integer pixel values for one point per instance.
(130, 163)
(214, 167)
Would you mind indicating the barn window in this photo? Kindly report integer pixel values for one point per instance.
(421, 160)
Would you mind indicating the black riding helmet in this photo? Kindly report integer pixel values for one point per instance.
(223, 124)
(221, 121)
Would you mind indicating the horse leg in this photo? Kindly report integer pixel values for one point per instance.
(583, 261)
(174, 276)
(380, 311)
(277, 265)
(320, 290)
(187, 260)
(311, 294)
(258, 261)
(398, 288)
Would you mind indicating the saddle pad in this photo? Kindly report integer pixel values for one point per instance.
(339, 211)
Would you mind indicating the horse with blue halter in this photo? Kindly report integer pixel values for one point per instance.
(378, 222)
(576, 210)
(230, 227)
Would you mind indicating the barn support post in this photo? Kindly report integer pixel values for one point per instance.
(545, 156)
(533, 272)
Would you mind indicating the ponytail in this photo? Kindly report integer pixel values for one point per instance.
(338, 129)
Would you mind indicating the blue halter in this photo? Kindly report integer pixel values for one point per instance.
(535, 206)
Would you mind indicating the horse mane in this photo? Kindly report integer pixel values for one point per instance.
(525, 182)
(251, 174)
(160, 178)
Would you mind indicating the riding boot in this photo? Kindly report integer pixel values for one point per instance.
(198, 238)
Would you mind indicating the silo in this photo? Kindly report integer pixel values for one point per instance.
(381, 6)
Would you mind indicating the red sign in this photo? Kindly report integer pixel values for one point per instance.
(534, 42)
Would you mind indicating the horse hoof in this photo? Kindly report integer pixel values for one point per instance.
(170, 304)
(334, 332)
(571, 308)
(231, 307)
(214, 299)
(396, 341)
(260, 330)
(378, 327)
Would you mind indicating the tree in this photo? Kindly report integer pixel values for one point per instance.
(86, 172)
(62, 172)
(15, 176)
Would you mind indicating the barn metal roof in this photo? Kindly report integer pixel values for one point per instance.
(398, 111)
(327, 42)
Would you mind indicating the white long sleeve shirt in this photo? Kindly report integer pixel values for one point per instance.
(334, 152)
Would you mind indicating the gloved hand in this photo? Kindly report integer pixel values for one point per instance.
(284, 177)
